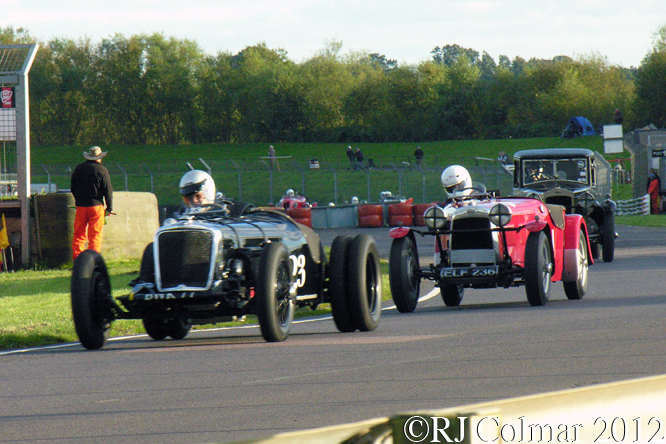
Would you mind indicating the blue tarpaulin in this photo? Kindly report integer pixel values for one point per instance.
(578, 126)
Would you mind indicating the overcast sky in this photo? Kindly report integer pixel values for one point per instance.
(404, 30)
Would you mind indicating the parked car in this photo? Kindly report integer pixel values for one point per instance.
(216, 265)
(485, 242)
(580, 180)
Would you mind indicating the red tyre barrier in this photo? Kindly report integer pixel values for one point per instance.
(370, 216)
(419, 209)
(301, 215)
(400, 214)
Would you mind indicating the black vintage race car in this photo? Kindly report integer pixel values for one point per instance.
(577, 178)
(212, 266)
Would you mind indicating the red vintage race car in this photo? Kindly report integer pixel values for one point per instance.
(487, 242)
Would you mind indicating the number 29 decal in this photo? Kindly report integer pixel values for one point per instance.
(298, 269)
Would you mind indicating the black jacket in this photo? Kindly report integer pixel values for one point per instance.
(91, 185)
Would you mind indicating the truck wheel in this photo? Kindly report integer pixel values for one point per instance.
(577, 288)
(452, 294)
(274, 307)
(364, 285)
(608, 233)
(177, 328)
(156, 327)
(336, 284)
(405, 284)
(538, 268)
(91, 294)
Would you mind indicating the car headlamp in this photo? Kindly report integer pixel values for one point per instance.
(500, 215)
(586, 200)
(535, 196)
(434, 217)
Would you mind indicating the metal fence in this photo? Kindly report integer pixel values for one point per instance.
(324, 180)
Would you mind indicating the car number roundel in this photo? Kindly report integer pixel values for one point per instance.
(298, 269)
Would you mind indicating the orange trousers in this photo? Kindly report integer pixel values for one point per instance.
(88, 224)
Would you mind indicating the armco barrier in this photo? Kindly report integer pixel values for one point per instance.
(301, 215)
(370, 216)
(625, 411)
(400, 214)
(640, 205)
(343, 216)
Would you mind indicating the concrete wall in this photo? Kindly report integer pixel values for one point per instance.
(125, 235)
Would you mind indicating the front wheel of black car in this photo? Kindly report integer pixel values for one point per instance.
(608, 233)
(452, 295)
(274, 307)
(364, 284)
(538, 268)
(405, 284)
(177, 328)
(156, 327)
(91, 294)
(577, 288)
(337, 289)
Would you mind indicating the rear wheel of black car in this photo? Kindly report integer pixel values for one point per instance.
(336, 284)
(594, 249)
(608, 234)
(364, 285)
(538, 268)
(452, 295)
(274, 307)
(404, 282)
(91, 299)
(155, 326)
(577, 288)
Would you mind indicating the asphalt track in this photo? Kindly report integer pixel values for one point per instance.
(228, 385)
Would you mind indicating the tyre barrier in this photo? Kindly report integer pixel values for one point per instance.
(370, 216)
(401, 214)
(639, 205)
(419, 210)
(301, 215)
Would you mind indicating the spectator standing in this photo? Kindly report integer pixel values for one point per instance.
(418, 155)
(359, 158)
(350, 156)
(91, 188)
(502, 158)
(618, 118)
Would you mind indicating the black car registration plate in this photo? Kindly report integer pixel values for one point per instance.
(469, 272)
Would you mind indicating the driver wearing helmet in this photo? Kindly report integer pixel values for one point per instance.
(197, 188)
(456, 181)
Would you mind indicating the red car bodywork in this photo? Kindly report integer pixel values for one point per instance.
(465, 241)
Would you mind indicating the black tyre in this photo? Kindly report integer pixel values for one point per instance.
(577, 288)
(404, 282)
(177, 328)
(594, 250)
(156, 327)
(538, 268)
(274, 307)
(364, 282)
(452, 295)
(337, 290)
(147, 270)
(91, 299)
(608, 234)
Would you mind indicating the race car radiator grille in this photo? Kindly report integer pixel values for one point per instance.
(185, 258)
(565, 201)
(471, 240)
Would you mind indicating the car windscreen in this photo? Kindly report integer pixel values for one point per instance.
(569, 170)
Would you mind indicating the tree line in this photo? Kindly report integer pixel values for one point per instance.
(153, 89)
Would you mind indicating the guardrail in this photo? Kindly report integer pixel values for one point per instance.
(625, 411)
(640, 205)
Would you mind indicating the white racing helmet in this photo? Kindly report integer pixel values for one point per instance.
(456, 181)
(195, 181)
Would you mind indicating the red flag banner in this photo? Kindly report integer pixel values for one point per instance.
(7, 97)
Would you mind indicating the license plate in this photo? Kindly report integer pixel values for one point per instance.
(471, 272)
